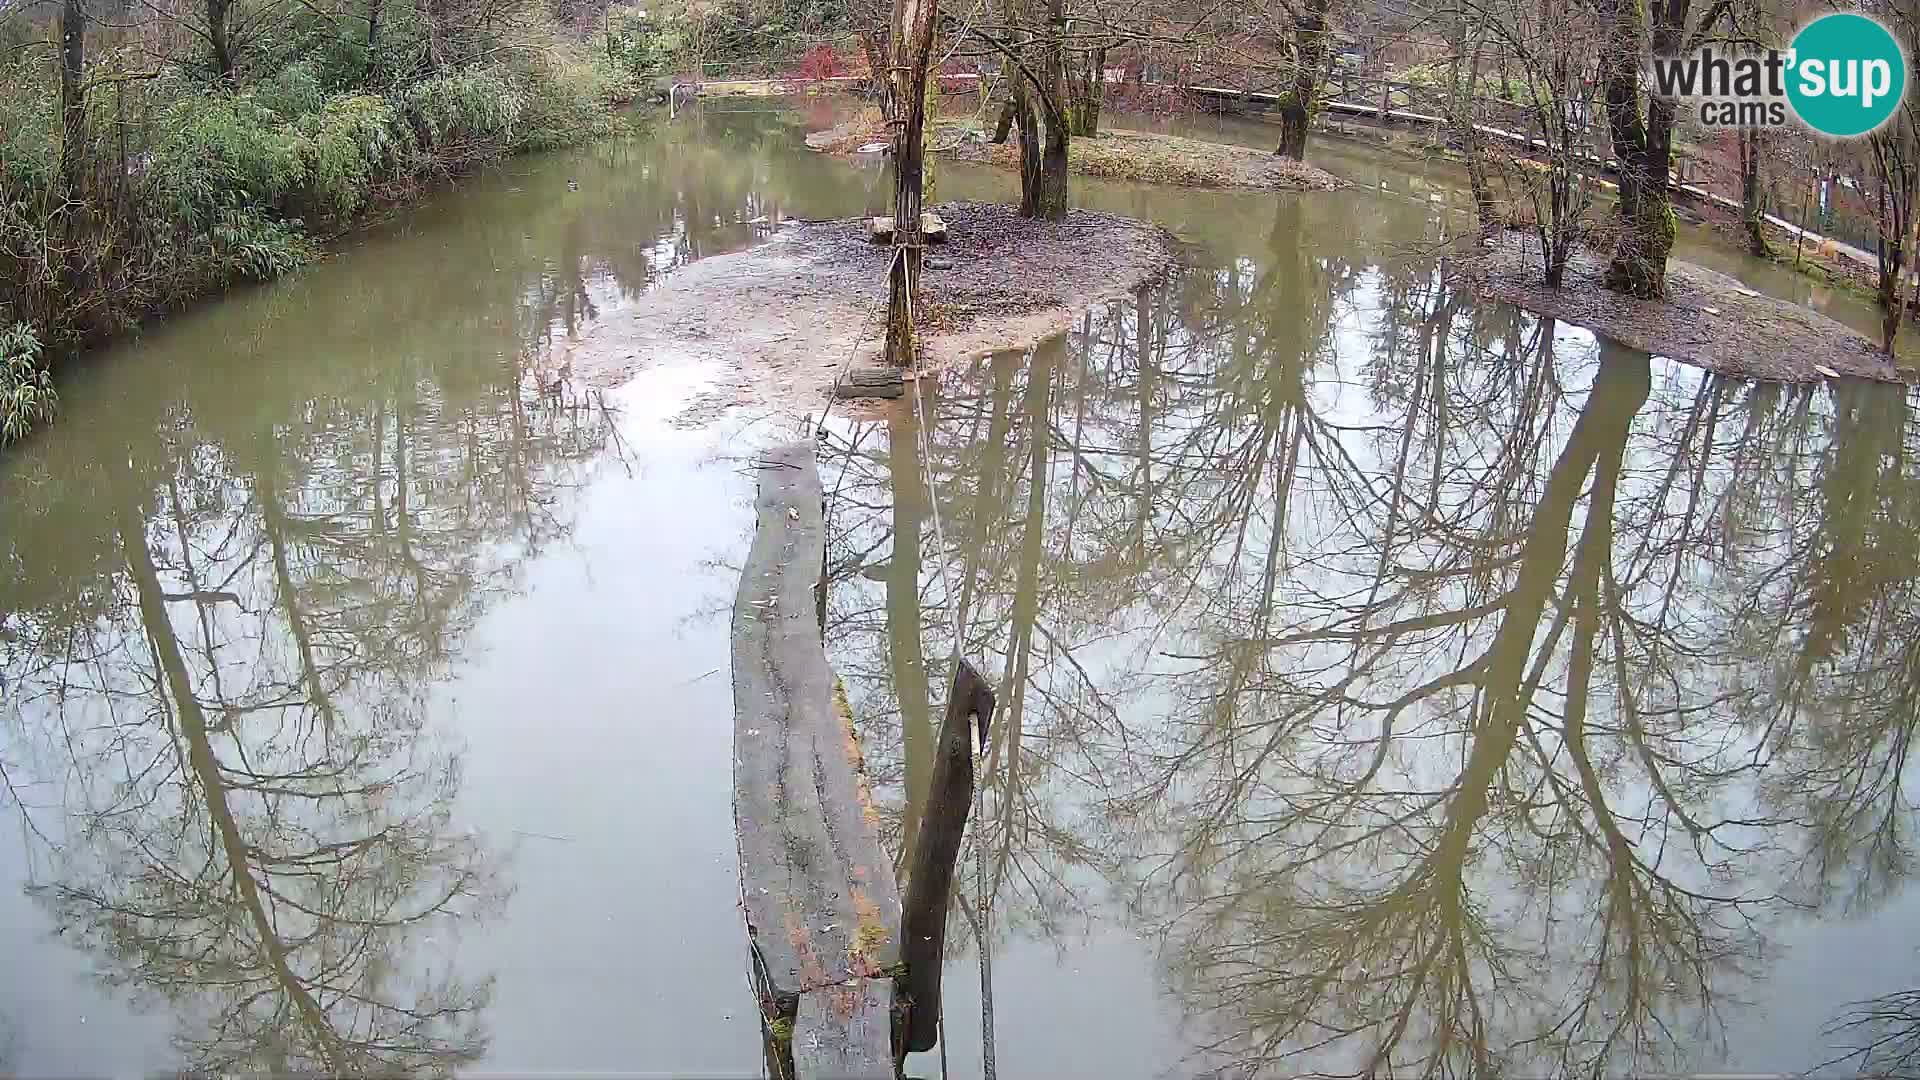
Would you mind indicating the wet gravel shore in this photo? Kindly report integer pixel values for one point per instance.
(1708, 319)
(778, 321)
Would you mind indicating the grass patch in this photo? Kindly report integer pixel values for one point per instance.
(1167, 159)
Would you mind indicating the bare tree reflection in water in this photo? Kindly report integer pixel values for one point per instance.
(1483, 698)
(1881, 1035)
(231, 691)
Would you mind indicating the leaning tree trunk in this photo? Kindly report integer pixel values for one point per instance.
(1643, 145)
(1309, 55)
(1750, 210)
(909, 51)
(1004, 126)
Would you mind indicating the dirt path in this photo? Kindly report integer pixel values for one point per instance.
(781, 319)
(1708, 319)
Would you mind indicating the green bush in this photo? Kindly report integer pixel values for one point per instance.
(210, 185)
(28, 124)
(566, 103)
(219, 153)
(352, 143)
(250, 245)
(641, 46)
(27, 396)
(465, 108)
(293, 91)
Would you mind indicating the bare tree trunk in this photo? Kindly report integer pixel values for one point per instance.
(372, 67)
(73, 104)
(909, 50)
(876, 64)
(75, 154)
(1800, 238)
(1750, 214)
(1465, 130)
(1086, 87)
(1644, 147)
(905, 647)
(1898, 175)
(436, 52)
(1050, 200)
(1030, 139)
(217, 38)
(1310, 52)
(936, 853)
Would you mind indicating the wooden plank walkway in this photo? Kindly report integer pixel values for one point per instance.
(822, 906)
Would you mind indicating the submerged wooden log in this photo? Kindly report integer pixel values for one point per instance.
(822, 908)
(871, 382)
(949, 797)
(860, 1014)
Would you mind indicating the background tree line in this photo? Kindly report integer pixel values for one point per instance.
(155, 151)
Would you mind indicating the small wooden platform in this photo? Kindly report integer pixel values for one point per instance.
(821, 903)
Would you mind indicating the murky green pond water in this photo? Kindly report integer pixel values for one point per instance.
(1387, 679)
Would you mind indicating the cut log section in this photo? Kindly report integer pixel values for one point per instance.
(821, 904)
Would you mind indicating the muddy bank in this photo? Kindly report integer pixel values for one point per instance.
(1114, 154)
(781, 319)
(1708, 319)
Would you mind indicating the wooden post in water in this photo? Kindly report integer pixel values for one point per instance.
(949, 798)
(821, 904)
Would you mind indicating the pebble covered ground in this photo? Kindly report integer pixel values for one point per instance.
(1708, 319)
(780, 320)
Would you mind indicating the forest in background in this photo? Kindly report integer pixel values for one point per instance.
(156, 151)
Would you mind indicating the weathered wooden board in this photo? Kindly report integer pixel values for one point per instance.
(845, 1032)
(822, 907)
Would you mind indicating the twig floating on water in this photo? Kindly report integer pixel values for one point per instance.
(543, 836)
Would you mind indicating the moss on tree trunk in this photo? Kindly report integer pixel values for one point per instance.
(1643, 143)
(1309, 56)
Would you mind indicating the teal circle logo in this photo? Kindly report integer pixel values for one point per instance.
(1847, 74)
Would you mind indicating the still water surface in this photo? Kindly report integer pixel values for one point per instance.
(1388, 680)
